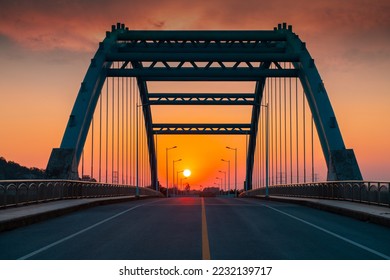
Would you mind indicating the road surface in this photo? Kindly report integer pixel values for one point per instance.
(190, 228)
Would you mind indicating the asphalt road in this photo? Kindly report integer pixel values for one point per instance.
(196, 228)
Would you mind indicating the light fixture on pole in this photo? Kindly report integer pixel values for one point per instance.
(166, 158)
(173, 175)
(220, 187)
(228, 161)
(235, 168)
(225, 178)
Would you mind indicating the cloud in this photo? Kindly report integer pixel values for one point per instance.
(77, 25)
(157, 24)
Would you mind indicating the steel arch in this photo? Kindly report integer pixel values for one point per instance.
(202, 56)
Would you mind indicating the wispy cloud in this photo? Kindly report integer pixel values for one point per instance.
(77, 25)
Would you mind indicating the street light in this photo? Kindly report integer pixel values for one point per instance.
(137, 156)
(136, 152)
(235, 167)
(228, 161)
(225, 178)
(181, 182)
(266, 150)
(221, 182)
(173, 175)
(166, 157)
(177, 177)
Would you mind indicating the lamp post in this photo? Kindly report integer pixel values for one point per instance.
(166, 157)
(228, 161)
(157, 181)
(221, 182)
(136, 152)
(225, 178)
(235, 168)
(181, 183)
(177, 177)
(266, 150)
(217, 184)
(173, 175)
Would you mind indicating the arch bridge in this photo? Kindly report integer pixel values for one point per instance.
(116, 85)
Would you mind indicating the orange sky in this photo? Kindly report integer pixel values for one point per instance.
(46, 47)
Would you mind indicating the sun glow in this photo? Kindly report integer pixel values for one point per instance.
(187, 173)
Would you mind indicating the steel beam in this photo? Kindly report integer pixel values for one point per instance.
(202, 57)
(201, 128)
(201, 74)
(196, 35)
(257, 47)
(201, 99)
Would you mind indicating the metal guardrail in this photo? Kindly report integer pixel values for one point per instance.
(370, 192)
(14, 193)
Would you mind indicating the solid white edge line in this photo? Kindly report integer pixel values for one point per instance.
(331, 233)
(25, 257)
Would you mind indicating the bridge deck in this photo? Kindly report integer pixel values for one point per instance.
(175, 229)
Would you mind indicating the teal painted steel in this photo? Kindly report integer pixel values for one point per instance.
(202, 56)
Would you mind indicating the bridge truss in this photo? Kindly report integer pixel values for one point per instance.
(138, 57)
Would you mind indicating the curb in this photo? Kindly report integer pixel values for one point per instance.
(38, 217)
(358, 215)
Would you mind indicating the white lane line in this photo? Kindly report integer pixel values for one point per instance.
(331, 233)
(80, 232)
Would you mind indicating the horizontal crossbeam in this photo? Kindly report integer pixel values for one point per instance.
(201, 98)
(196, 35)
(206, 47)
(200, 74)
(202, 57)
(201, 128)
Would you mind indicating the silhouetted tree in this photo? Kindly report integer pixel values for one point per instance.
(10, 170)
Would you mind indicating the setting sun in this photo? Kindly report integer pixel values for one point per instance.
(187, 173)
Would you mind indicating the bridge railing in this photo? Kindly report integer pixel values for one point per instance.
(14, 193)
(370, 192)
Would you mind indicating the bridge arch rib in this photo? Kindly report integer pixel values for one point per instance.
(202, 56)
(64, 161)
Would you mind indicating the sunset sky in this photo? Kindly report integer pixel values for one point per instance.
(46, 47)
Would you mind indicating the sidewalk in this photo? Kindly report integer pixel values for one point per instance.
(361, 211)
(14, 217)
